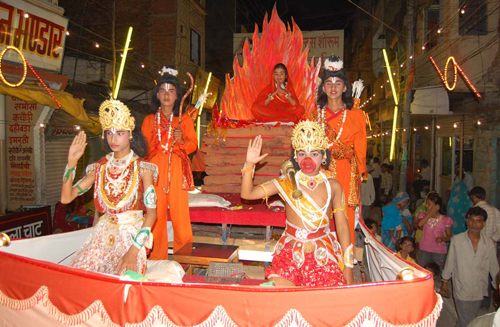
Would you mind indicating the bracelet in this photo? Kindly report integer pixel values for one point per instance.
(270, 96)
(69, 173)
(349, 256)
(142, 237)
(247, 170)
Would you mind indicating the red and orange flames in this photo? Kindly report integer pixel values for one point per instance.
(278, 43)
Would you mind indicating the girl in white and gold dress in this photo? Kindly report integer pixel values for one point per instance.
(123, 191)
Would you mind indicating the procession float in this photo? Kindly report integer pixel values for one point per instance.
(38, 287)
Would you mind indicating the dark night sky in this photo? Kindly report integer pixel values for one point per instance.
(308, 14)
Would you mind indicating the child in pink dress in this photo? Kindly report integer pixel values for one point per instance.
(436, 231)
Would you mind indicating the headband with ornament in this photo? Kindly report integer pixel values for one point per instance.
(170, 71)
(115, 116)
(309, 136)
(333, 65)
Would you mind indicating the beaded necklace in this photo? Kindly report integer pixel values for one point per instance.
(323, 119)
(117, 167)
(158, 124)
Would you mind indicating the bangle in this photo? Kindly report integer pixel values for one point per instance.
(270, 96)
(247, 170)
(142, 237)
(69, 173)
(444, 280)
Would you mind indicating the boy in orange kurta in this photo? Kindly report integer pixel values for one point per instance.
(161, 129)
(345, 126)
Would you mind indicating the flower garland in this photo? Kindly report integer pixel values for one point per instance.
(169, 134)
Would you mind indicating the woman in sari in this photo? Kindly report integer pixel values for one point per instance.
(278, 101)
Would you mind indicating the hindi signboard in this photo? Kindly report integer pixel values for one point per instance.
(322, 44)
(21, 117)
(27, 224)
(37, 33)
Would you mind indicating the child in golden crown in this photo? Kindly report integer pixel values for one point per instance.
(308, 253)
(123, 191)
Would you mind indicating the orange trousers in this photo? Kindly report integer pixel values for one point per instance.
(177, 202)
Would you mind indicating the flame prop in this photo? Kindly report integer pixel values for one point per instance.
(278, 43)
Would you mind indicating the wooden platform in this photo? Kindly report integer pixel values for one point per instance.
(224, 156)
(201, 254)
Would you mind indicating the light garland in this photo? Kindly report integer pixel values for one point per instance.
(25, 66)
(25, 71)
(456, 67)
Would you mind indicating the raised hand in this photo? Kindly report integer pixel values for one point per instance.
(77, 149)
(253, 152)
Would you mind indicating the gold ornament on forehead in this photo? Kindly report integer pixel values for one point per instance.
(308, 136)
(114, 115)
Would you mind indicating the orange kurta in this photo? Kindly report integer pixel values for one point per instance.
(177, 198)
(354, 138)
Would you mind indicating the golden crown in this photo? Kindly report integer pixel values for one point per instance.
(308, 135)
(114, 115)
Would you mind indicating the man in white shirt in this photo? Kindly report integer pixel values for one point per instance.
(367, 195)
(492, 228)
(425, 172)
(376, 174)
(472, 258)
(386, 184)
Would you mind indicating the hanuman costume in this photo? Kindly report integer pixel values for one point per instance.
(175, 180)
(119, 194)
(346, 132)
(312, 255)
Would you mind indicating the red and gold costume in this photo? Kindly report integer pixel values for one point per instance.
(279, 108)
(118, 193)
(174, 181)
(348, 150)
(310, 256)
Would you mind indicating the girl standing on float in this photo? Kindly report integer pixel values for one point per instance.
(123, 190)
(170, 141)
(345, 127)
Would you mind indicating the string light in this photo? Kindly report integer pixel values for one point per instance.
(478, 122)
(96, 45)
(411, 57)
(455, 125)
(456, 67)
(462, 11)
(26, 15)
(77, 127)
(67, 33)
(415, 129)
(142, 65)
(42, 125)
(25, 68)
(423, 47)
(440, 30)
(426, 127)
(438, 127)
(381, 86)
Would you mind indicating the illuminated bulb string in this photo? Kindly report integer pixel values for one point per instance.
(25, 63)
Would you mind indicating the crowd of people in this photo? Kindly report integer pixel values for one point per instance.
(463, 250)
